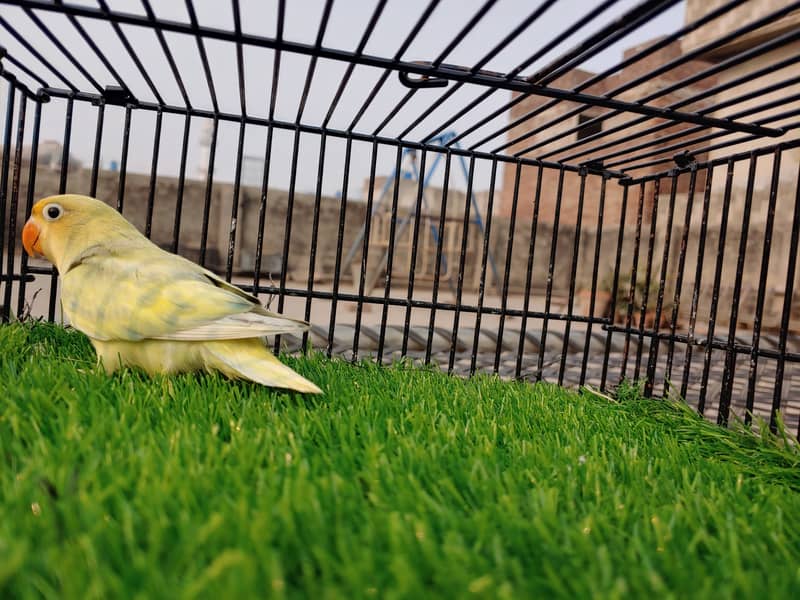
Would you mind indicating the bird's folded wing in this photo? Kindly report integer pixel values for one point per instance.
(240, 326)
(164, 297)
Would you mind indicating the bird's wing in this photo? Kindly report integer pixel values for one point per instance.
(147, 294)
(238, 326)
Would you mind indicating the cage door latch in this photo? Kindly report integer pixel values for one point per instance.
(421, 81)
(118, 96)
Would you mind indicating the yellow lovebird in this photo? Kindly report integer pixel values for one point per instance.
(144, 307)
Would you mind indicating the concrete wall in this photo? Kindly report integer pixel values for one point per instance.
(135, 206)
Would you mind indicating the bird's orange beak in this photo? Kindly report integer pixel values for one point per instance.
(30, 239)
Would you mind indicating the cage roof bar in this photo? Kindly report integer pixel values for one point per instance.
(683, 58)
(131, 52)
(529, 20)
(476, 18)
(276, 63)
(47, 64)
(717, 134)
(21, 66)
(151, 20)
(423, 18)
(14, 83)
(712, 70)
(63, 49)
(201, 48)
(93, 46)
(373, 21)
(714, 108)
(450, 72)
(628, 180)
(237, 28)
(703, 149)
(312, 65)
(735, 60)
(601, 39)
(606, 32)
(652, 48)
(338, 133)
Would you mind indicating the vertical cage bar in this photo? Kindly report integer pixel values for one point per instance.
(365, 251)
(762, 285)
(237, 183)
(262, 212)
(151, 191)
(123, 162)
(698, 276)
(13, 206)
(98, 142)
(209, 189)
(237, 29)
(786, 313)
(130, 50)
(712, 317)
(548, 296)
(632, 287)
(201, 49)
(484, 262)
(595, 267)
(164, 47)
(312, 256)
(512, 224)
(176, 231)
(414, 243)
(729, 372)
(337, 268)
(276, 64)
(390, 255)
(614, 286)
(651, 242)
(652, 354)
(10, 101)
(526, 299)
(62, 188)
(576, 247)
(437, 270)
(312, 65)
(287, 232)
(63, 50)
(461, 263)
(676, 297)
(32, 165)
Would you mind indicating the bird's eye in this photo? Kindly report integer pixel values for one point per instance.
(52, 212)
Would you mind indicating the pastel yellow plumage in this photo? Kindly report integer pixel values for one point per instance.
(142, 306)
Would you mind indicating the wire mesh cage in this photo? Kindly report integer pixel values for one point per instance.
(574, 192)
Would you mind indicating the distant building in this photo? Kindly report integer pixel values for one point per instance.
(49, 156)
(529, 137)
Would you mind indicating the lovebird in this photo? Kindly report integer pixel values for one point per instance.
(144, 307)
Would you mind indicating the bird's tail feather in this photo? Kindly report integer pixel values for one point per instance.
(250, 359)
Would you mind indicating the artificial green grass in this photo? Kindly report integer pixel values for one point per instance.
(397, 483)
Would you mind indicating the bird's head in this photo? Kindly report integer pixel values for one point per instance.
(60, 228)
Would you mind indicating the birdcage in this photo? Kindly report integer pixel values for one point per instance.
(575, 192)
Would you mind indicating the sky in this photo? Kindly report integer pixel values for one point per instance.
(346, 25)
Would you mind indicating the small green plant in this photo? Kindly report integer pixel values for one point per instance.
(641, 288)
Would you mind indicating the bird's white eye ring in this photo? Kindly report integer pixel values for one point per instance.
(53, 211)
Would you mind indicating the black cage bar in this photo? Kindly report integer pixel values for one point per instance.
(549, 194)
